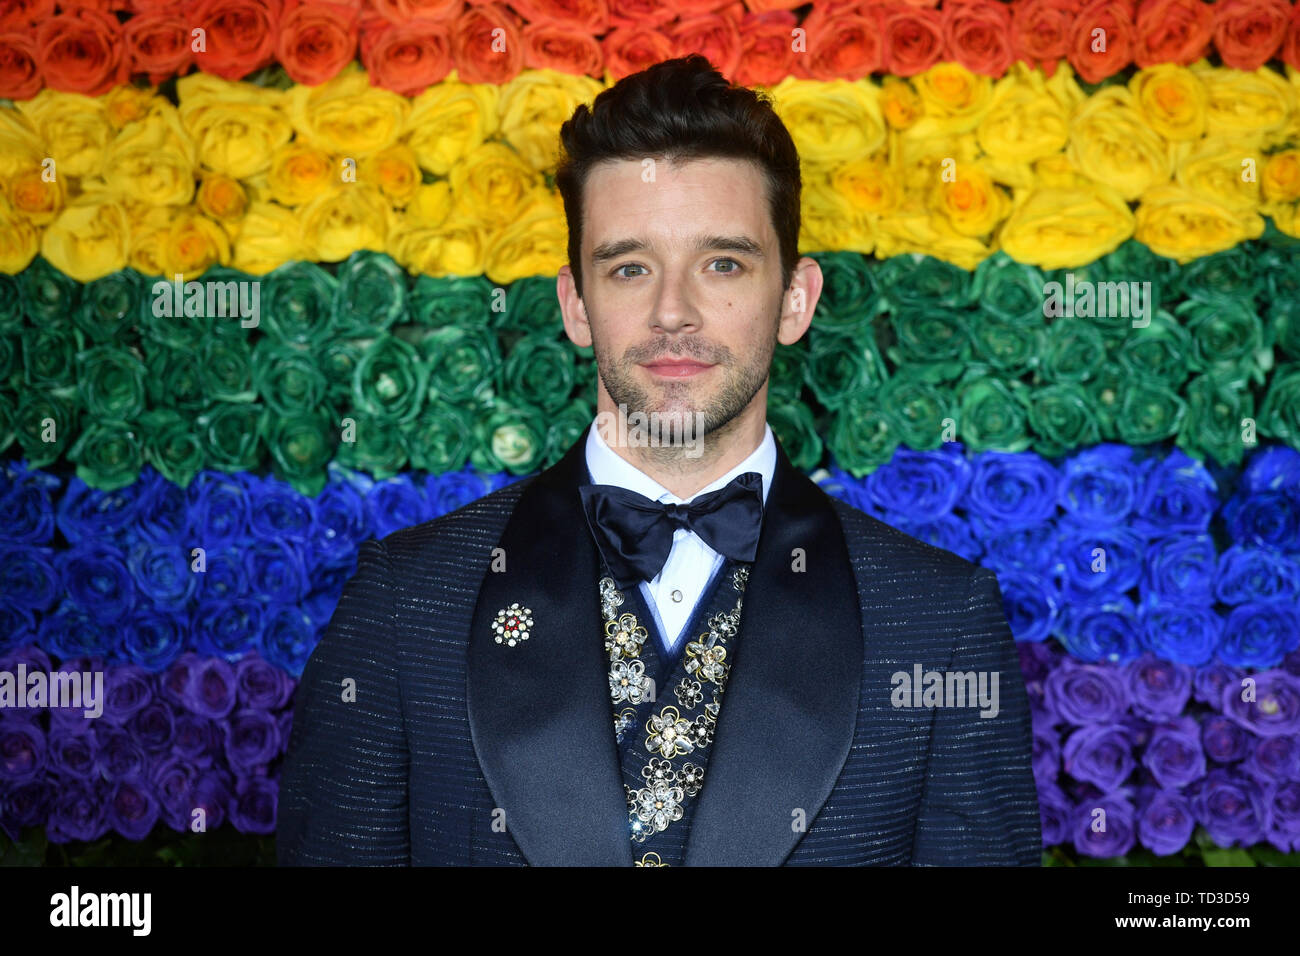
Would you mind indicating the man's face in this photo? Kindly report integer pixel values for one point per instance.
(683, 302)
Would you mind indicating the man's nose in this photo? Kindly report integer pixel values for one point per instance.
(675, 308)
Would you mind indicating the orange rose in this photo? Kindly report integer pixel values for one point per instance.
(316, 40)
(765, 55)
(407, 58)
(641, 14)
(158, 44)
(1248, 32)
(20, 78)
(404, 11)
(1039, 29)
(589, 17)
(1116, 19)
(33, 197)
(631, 49)
(150, 6)
(239, 36)
(1290, 52)
(978, 36)
(16, 15)
(480, 55)
(913, 40)
(222, 198)
(841, 46)
(714, 35)
(760, 7)
(1172, 31)
(81, 51)
(553, 46)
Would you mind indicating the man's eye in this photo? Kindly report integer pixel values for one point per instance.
(629, 265)
(732, 261)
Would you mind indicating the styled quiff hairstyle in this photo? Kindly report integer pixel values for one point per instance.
(681, 109)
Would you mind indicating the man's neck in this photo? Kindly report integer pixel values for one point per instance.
(684, 471)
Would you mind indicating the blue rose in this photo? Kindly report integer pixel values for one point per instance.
(1011, 491)
(1260, 634)
(227, 629)
(30, 579)
(395, 503)
(155, 638)
(1274, 468)
(1176, 494)
(224, 576)
(342, 523)
(219, 510)
(279, 569)
(449, 491)
(1029, 602)
(924, 485)
(162, 573)
(17, 627)
(288, 639)
(96, 578)
(1165, 821)
(277, 511)
(1099, 563)
(1099, 485)
(1027, 549)
(838, 483)
(1256, 574)
(71, 631)
(26, 511)
(1184, 633)
(1180, 568)
(1269, 518)
(327, 588)
(164, 513)
(88, 514)
(1101, 631)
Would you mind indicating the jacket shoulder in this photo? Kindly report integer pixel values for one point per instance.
(480, 522)
(874, 545)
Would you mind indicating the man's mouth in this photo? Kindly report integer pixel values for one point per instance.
(676, 368)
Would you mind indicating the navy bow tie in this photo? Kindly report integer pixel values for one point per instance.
(635, 533)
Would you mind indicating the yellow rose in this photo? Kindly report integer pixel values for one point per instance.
(269, 236)
(1239, 103)
(431, 205)
(492, 184)
(1060, 228)
(831, 122)
(449, 120)
(1280, 180)
(1212, 168)
(33, 197)
(454, 247)
(971, 204)
(1057, 172)
(828, 221)
(395, 171)
(195, 243)
(73, 128)
(19, 239)
(899, 103)
(299, 173)
(236, 127)
(1176, 223)
(222, 198)
(925, 161)
(1024, 121)
(533, 106)
(346, 115)
(129, 104)
(1286, 218)
(90, 237)
(869, 186)
(20, 144)
(152, 161)
(339, 223)
(150, 232)
(914, 229)
(535, 244)
(955, 99)
(1172, 99)
(1111, 143)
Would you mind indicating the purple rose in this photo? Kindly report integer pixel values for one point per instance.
(1165, 822)
(176, 678)
(127, 689)
(26, 805)
(1158, 689)
(153, 726)
(120, 757)
(132, 809)
(1272, 707)
(1224, 740)
(173, 781)
(196, 739)
(1230, 807)
(1282, 803)
(1086, 694)
(1047, 755)
(1208, 684)
(1184, 633)
(254, 807)
(1274, 760)
(1099, 485)
(211, 691)
(1174, 755)
(261, 685)
(1104, 630)
(1099, 754)
(1181, 569)
(1103, 826)
(22, 750)
(1054, 814)
(74, 755)
(212, 796)
(252, 738)
(79, 812)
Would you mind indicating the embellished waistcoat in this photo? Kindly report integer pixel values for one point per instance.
(666, 710)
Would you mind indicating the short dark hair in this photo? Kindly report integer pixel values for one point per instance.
(681, 109)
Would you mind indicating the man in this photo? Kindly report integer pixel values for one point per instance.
(581, 668)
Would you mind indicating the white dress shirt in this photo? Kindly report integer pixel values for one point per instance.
(691, 565)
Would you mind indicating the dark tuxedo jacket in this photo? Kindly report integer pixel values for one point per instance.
(453, 749)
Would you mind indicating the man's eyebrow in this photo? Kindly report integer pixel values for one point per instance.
(619, 247)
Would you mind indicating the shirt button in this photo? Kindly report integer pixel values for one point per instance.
(677, 596)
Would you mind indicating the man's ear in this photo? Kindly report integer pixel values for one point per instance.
(800, 300)
(572, 308)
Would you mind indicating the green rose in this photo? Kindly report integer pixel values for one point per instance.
(455, 300)
(174, 379)
(1134, 262)
(440, 438)
(389, 380)
(1148, 412)
(1226, 335)
(532, 307)
(1227, 276)
(10, 357)
(338, 362)
(1158, 352)
(372, 445)
(108, 454)
(849, 298)
(463, 362)
(7, 432)
(1285, 323)
(862, 438)
(934, 340)
(539, 370)
(1007, 346)
(1009, 291)
(226, 369)
(110, 307)
(46, 421)
(1217, 402)
(508, 438)
(912, 281)
(371, 294)
(786, 377)
(50, 355)
(1105, 391)
(287, 378)
(1280, 415)
(566, 426)
(1062, 419)
(917, 410)
(297, 304)
(301, 448)
(992, 414)
(232, 435)
(11, 306)
(1094, 290)
(47, 295)
(1075, 351)
(839, 368)
(110, 383)
(796, 430)
(172, 445)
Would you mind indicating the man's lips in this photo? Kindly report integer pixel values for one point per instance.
(679, 368)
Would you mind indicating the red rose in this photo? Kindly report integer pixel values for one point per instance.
(1248, 32)
(316, 40)
(1172, 31)
(239, 36)
(406, 58)
(589, 17)
(1116, 20)
(841, 46)
(978, 36)
(766, 56)
(482, 55)
(630, 50)
(716, 36)
(158, 44)
(81, 51)
(553, 46)
(405, 11)
(1039, 29)
(152, 6)
(20, 77)
(759, 7)
(16, 14)
(640, 14)
(913, 40)
(1291, 45)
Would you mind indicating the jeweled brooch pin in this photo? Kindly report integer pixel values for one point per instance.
(512, 624)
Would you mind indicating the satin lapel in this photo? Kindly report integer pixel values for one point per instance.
(791, 701)
(539, 712)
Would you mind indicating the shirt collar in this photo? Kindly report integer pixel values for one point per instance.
(607, 467)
